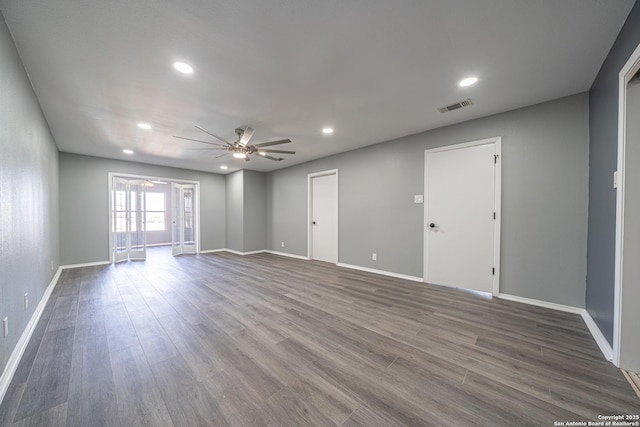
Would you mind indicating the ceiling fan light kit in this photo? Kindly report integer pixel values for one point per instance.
(240, 148)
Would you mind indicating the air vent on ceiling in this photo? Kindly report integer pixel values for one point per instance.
(455, 106)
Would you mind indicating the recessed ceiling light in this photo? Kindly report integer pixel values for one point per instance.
(127, 151)
(468, 81)
(183, 67)
(239, 155)
(142, 125)
(224, 167)
(327, 130)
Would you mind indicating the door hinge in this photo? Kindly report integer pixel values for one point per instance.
(494, 215)
(493, 271)
(495, 158)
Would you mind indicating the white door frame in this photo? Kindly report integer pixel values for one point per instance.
(310, 210)
(628, 71)
(497, 141)
(110, 177)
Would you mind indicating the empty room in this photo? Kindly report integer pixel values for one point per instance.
(307, 213)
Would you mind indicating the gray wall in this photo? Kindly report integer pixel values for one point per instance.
(603, 135)
(255, 213)
(29, 241)
(235, 211)
(84, 204)
(544, 200)
(630, 342)
(246, 211)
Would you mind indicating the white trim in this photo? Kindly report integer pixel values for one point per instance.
(310, 210)
(287, 255)
(244, 253)
(264, 251)
(86, 264)
(540, 303)
(21, 345)
(497, 142)
(602, 342)
(623, 77)
(212, 251)
(381, 272)
(597, 335)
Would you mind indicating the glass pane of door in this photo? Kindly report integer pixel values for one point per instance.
(120, 208)
(188, 219)
(137, 206)
(176, 219)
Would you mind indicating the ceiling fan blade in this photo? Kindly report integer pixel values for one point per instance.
(247, 159)
(278, 151)
(223, 154)
(205, 149)
(277, 159)
(267, 144)
(213, 135)
(197, 140)
(246, 135)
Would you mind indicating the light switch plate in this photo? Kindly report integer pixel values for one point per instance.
(418, 198)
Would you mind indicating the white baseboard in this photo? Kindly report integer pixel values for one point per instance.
(244, 253)
(86, 264)
(287, 255)
(18, 351)
(212, 251)
(545, 304)
(381, 272)
(602, 342)
(597, 335)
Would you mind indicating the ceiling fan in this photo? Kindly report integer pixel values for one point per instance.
(240, 148)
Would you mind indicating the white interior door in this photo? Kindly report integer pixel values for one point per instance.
(460, 229)
(324, 223)
(128, 208)
(183, 230)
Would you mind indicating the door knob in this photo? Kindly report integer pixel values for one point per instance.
(432, 225)
(314, 223)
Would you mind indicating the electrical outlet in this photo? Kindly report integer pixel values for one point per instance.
(374, 256)
(282, 244)
(26, 300)
(5, 326)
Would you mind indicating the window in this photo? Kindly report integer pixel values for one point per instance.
(155, 213)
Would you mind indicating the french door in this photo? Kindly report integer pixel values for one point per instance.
(183, 230)
(128, 210)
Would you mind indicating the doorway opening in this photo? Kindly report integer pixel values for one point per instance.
(626, 336)
(322, 230)
(149, 211)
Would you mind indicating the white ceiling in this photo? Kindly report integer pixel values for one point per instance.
(373, 69)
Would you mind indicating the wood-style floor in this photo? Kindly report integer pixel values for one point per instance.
(262, 340)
